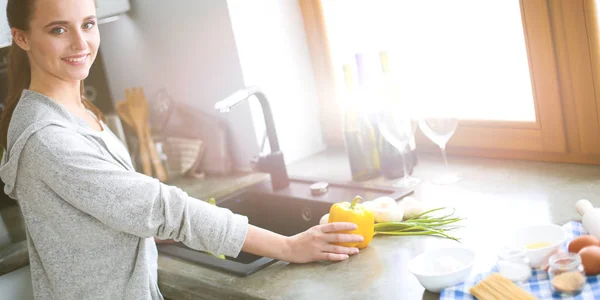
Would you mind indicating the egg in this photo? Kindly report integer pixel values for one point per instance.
(590, 258)
(583, 241)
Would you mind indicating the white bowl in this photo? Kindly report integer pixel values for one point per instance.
(552, 234)
(431, 273)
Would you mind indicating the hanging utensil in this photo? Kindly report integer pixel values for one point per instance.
(159, 169)
(134, 117)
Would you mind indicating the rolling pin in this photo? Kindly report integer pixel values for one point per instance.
(590, 217)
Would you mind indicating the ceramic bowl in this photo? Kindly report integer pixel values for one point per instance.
(550, 235)
(442, 268)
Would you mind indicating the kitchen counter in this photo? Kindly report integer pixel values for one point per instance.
(496, 196)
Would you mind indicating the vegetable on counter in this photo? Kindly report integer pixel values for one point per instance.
(385, 209)
(324, 219)
(412, 207)
(422, 224)
(358, 214)
(406, 218)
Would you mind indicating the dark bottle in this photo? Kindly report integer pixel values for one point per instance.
(359, 135)
(392, 159)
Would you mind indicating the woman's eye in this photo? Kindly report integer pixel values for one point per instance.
(58, 30)
(89, 25)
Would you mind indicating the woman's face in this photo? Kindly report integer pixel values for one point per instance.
(63, 38)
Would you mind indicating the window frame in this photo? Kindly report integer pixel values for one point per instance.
(565, 83)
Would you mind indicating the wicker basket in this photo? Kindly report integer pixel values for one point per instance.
(183, 155)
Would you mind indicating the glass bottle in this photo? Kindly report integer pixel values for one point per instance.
(391, 158)
(359, 135)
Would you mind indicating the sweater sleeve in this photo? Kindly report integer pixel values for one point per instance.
(129, 201)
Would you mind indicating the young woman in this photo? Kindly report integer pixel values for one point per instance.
(91, 219)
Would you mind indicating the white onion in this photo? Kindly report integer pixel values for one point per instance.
(412, 207)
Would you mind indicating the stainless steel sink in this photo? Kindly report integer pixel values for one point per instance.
(286, 211)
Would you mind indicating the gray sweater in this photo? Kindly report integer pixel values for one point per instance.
(90, 217)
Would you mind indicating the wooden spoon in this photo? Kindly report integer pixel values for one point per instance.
(136, 118)
(123, 112)
(159, 169)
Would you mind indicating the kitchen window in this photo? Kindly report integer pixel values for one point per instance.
(522, 76)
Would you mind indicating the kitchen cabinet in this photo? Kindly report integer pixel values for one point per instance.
(110, 8)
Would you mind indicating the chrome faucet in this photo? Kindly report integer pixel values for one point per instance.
(272, 163)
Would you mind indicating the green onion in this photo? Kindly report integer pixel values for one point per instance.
(422, 224)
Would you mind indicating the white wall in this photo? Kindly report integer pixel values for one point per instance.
(201, 51)
(274, 55)
(186, 47)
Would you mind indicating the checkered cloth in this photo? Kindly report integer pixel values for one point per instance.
(538, 284)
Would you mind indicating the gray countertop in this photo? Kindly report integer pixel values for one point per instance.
(496, 196)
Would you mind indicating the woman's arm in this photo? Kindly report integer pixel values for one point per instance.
(311, 245)
(140, 205)
(307, 246)
(74, 170)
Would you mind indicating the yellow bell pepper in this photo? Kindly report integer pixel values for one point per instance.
(358, 214)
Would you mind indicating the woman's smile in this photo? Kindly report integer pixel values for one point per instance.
(76, 60)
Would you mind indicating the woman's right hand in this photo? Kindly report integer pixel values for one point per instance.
(315, 243)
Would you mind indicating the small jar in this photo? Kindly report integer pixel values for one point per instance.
(514, 264)
(566, 273)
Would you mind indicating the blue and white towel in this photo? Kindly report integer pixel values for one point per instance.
(538, 284)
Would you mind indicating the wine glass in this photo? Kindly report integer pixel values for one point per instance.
(398, 128)
(439, 130)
